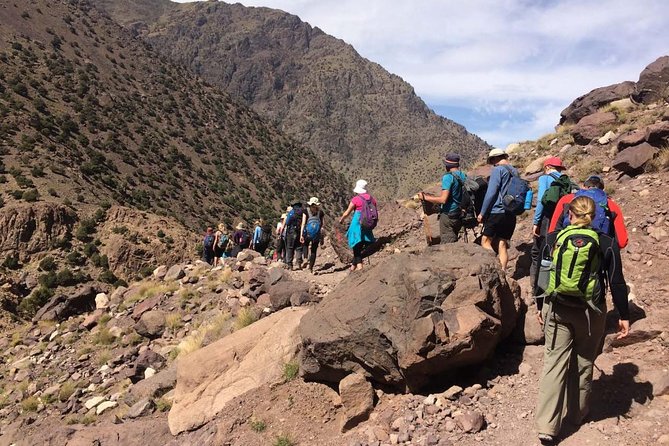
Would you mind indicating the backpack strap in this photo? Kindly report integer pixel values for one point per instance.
(462, 188)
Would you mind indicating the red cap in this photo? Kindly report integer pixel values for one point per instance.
(555, 162)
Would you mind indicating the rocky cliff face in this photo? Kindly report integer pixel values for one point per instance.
(367, 122)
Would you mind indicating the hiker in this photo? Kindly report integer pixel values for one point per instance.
(240, 239)
(594, 188)
(452, 185)
(257, 234)
(312, 225)
(221, 242)
(280, 245)
(292, 229)
(573, 314)
(498, 224)
(552, 169)
(208, 246)
(365, 217)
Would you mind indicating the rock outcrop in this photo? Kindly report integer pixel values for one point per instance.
(633, 159)
(410, 318)
(31, 228)
(61, 306)
(591, 102)
(209, 378)
(653, 84)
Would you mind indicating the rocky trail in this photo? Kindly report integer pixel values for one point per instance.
(428, 346)
(121, 384)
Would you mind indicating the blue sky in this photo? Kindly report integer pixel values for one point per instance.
(502, 68)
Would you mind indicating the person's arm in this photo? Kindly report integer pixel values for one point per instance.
(347, 212)
(446, 183)
(304, 223)
(618, 224)
(559, 213)
(614, 272)
(492, 192)
(544, 183)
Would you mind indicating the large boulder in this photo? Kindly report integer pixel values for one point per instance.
(61, 306)
(657, 134)
(209, 378)
(280, 294)
(653, 85)
(411, 317)
(591, 102)
(592, 126)
(631, 138)
(633, 159)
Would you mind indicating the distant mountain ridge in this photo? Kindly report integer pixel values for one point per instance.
(363, 120)
(89, 114)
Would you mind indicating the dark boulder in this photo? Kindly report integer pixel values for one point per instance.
(280, 294)
(590, 103)
(61, 306)
(633, 159)
(653, 85)
(411, 317)
(657, 134)
(592, 126)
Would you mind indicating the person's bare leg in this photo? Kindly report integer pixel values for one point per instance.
(503, 253)
(486, 242)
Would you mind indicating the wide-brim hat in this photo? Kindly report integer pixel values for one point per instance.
(313, 201)
(494, 153)
(360, 187)
(241, 226)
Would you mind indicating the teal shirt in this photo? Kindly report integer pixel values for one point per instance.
(451, 184)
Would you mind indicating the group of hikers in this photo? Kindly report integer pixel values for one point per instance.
(298, 233)
(578, 233)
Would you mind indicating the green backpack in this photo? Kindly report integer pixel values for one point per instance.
(577, 260)
(561, 186)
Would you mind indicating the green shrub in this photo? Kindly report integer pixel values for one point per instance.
(47, 264)
(11, 262)
(290, 370)
(48, 280)
(30, 195)
(257, 425)
(107, 276)
(283, 440)
(35, 301)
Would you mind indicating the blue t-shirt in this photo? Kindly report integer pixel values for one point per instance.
(455, 196)
(500, 177)
(545, 182)
(257, 232)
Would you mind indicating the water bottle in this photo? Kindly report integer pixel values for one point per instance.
(528, 199)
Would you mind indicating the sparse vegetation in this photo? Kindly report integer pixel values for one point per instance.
(283, 440)
(163, 404)
(173, 321)
(30, 404)
(66, 391)
(291, 370)
(257, 425)
(245, 317)
(214, 329)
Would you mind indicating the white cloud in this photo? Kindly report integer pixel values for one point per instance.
(498, 55)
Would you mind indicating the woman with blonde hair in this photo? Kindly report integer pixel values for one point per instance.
(573, 314)
(221, 242)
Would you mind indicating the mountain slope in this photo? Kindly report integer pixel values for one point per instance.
(365, 121)
(90, 114)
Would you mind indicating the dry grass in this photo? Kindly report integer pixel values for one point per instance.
(66, 390)
(660, 162)
(245, 317)
(173, 321)
(584, 169)
(213, 328)
(151, 289)
(30, 404)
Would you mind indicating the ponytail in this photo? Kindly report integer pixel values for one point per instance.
(583, 210)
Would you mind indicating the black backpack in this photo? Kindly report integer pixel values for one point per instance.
(466, 208)
(265, 235)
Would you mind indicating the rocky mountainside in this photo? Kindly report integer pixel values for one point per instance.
(365, 121)
(91, 115)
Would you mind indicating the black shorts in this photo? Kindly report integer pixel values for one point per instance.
(499, 226)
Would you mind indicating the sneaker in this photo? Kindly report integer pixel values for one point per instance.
(546, 439)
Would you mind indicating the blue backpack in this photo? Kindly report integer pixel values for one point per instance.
(516, 191)
(312, 230)
(602, 221)
(208, 241)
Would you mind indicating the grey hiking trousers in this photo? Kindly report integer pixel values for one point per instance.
(572, 345)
